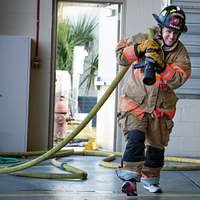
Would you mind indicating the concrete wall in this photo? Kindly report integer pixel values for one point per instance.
(19, 18)
(185, 136)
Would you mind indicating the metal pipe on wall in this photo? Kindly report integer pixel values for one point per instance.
(36, 60)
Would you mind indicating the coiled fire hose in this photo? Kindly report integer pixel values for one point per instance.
(76, 173)
(75, 132)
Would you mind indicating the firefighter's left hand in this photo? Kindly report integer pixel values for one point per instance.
(158, 67)
(156, 56)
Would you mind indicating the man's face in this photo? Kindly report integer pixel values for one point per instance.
(169, 36)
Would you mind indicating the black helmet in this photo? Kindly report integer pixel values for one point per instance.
(172, 17)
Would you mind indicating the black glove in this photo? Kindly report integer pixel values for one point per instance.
(158, 67)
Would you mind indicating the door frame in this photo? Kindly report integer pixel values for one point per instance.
(121, 32)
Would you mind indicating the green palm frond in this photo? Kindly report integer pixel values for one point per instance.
(71, 35)
(65, 47)
(83, 31)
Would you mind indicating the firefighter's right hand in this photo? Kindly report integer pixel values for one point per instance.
(131, 53)
(146, 45)
(148, 48)
(151, 49)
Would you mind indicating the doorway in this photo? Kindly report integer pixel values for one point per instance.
(87, 34)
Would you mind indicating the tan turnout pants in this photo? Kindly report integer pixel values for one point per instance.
(156, 130)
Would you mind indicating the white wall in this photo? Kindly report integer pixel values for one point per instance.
(139, 15)
(19, 18)
(185, 136)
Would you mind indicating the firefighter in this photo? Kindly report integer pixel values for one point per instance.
(148, 103)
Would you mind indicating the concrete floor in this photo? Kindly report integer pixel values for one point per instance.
(102, 183)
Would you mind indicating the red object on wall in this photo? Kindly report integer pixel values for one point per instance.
(36, 59)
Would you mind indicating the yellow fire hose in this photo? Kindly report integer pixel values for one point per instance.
(66, 140)
(76, 173)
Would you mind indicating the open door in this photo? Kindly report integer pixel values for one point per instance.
(104, 43)
(108, 36)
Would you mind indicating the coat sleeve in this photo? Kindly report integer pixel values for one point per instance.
(119, 53)
(123, 43)
(176, 73)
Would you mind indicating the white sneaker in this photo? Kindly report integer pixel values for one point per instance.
(154, 188)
